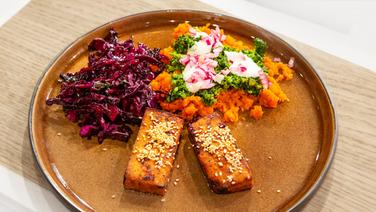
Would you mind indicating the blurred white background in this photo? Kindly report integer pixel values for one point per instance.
(345, 28)
(8, 8)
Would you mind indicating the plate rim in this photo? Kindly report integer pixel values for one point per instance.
(72, 205)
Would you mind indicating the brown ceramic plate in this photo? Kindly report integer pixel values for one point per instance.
(290, 148)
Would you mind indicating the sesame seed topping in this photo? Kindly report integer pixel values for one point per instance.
(175, 183)
(278, 191)
(177, 166)
(104, 149)
(233, 182)
(58, 134)
(216, 174)
(270, 157)
(189, 147)
(161, 140)
(219, 140)
(259, 191)
(113, 196)
(177, 179)
(163, 200)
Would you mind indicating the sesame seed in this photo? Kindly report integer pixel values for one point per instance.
(177, 180)
(175, 183)
(163, 200)
(177, 166)
(233, 182)
(104, 149)
(161, 139)
(58, 134)
(278, 191)
(259, 191)
(219, 141)
(113, 196)
(270, 157)
(189, 147)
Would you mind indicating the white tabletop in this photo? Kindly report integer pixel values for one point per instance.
(342, 28)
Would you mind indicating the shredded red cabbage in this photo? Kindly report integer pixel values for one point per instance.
(113, 90)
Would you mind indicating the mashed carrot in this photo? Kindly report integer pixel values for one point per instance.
(167, 52)
(229, 102)
(268, 99)
(278, 70)
(206, 28)
(181, 29)
(232, 42)
(256, 112)
(162, 82)
(276, 89)
(189, 107)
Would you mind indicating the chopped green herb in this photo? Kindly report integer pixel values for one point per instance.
(260, 46)
(209, 96)
(175, 65)
(248, 84)
(183, 43)
(230, 49)
(222, 62)
(180, 89)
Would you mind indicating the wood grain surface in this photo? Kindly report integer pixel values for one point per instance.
(32, 38)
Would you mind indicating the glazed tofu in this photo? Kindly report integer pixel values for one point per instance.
(153, 155)
(221, 160)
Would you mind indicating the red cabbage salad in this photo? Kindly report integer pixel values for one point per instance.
(113, 91)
